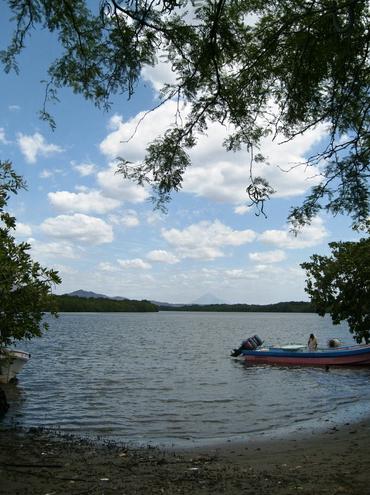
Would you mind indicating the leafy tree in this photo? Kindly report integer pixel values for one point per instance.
(68, 303)
(258, 66)
(25, 286)
(340, 285)
(281, 307)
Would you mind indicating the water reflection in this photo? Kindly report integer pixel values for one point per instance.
(168, 378)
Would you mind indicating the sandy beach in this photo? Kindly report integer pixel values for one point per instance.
(336, 461)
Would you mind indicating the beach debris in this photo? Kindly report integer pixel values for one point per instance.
(104, 479)
(295, 468)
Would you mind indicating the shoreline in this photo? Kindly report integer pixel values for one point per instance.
(334, 461)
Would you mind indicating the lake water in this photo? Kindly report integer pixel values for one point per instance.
(168, 379)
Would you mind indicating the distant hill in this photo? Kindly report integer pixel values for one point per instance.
(208, 299)
(94, 295)
(169, 305)
(69, 303)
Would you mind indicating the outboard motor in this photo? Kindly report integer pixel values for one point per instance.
(236, 352)
(258, 340)
(252, 343)
(249, 344)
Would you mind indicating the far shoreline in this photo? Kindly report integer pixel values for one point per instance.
(82, 301)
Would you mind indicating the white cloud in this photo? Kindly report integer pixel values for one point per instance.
(154, 217)
(215, 173)
(84, 169)
(65, 271)
(311, 235)
(14, 108)
(3, 139)
(162, 256)
(159, 75)
(114, 122)
(32, 146)
(136, 263)
(78, 227)
(56, 250)
(205, 239)
(223, 176)
(242, 209)
(46, 174)
(128, 219)
(239, 274)
(129, 139)
(107, 267)
(84, 202)
(268, 256)
(23, 230)
(115, 186)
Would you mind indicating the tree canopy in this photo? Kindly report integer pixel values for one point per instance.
(259, 67)
(67, 303)
(25, 286)
(280, 307)
(340, 285)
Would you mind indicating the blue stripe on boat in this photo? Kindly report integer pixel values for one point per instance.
(305, 354)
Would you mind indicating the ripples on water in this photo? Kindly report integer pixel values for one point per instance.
(167, 378)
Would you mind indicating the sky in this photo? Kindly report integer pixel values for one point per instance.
(101, 232)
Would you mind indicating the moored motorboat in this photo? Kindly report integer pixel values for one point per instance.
(11, 363)
(298, 355)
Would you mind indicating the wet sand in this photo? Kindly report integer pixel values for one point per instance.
(336, 461)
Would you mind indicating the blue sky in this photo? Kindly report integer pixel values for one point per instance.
(101, 232)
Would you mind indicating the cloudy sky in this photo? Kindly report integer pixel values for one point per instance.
(101, 232)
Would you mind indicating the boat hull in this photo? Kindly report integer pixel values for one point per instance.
(348, 356)
(11, 363)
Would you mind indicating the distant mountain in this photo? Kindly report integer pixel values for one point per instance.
(89, 294)
(166, 304)
(208, 299)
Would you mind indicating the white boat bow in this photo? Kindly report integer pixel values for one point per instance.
(11, 363)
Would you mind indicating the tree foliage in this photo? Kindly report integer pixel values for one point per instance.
(25, 286)
(258, 66)
(281, 307)
(67, 303)
(340, 285)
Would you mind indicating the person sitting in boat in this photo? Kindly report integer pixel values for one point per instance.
(312, 343)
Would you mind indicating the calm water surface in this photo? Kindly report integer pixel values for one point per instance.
(167, 379)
